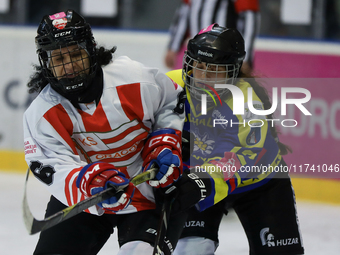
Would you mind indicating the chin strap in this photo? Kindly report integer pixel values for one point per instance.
(93, 92)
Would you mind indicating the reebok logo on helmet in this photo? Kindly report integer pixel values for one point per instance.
(204, 53)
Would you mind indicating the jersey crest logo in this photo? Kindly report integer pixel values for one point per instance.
(266, 237)
(203, 144)
(254, 136)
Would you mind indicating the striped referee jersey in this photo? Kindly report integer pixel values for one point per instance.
(194, 15)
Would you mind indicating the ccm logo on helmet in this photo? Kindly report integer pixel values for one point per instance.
(62, 34)
(204, 53)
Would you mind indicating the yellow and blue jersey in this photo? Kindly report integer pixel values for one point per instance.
(219, 131)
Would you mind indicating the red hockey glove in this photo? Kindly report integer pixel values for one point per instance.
(97, 177)
(163, 150)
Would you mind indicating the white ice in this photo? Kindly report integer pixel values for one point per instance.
(320, 223)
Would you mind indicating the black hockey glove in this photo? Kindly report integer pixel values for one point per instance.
(191, 188)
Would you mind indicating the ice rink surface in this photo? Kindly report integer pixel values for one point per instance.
(320, 223)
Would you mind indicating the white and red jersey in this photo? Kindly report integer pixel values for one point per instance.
(61, 139)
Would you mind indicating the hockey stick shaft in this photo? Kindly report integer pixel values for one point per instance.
(162, 228)
(163, 222)
(34, 226)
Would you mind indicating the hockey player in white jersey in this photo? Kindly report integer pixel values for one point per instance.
(98, 122)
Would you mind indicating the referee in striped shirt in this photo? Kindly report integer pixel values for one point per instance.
(194, 15)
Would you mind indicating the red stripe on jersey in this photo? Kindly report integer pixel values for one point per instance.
(123, 134)
(263, 151)
(97, 121)
(131, 102)
(232, 183)
(128, 145)
(175, 84)
(247, 5)
(139, 201)
(74, 189)
(61, 122)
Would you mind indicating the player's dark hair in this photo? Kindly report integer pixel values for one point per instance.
(38, 81)
(262, 93)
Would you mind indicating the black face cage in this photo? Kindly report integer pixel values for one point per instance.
(78, 64)
(212, 74)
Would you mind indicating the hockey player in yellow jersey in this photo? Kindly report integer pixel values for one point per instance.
(233, 151)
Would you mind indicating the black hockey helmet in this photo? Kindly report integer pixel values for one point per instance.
(216, 46)
(63, 30)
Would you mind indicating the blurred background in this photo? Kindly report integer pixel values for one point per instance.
(298, 40)
(319, 19)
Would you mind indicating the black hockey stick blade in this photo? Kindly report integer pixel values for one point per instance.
(34, 226)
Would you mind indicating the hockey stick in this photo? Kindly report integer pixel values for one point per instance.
(163, 223)
(34, 226)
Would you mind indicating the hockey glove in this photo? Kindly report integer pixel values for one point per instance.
(192, 188)
(97, 177)
(163, 150)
